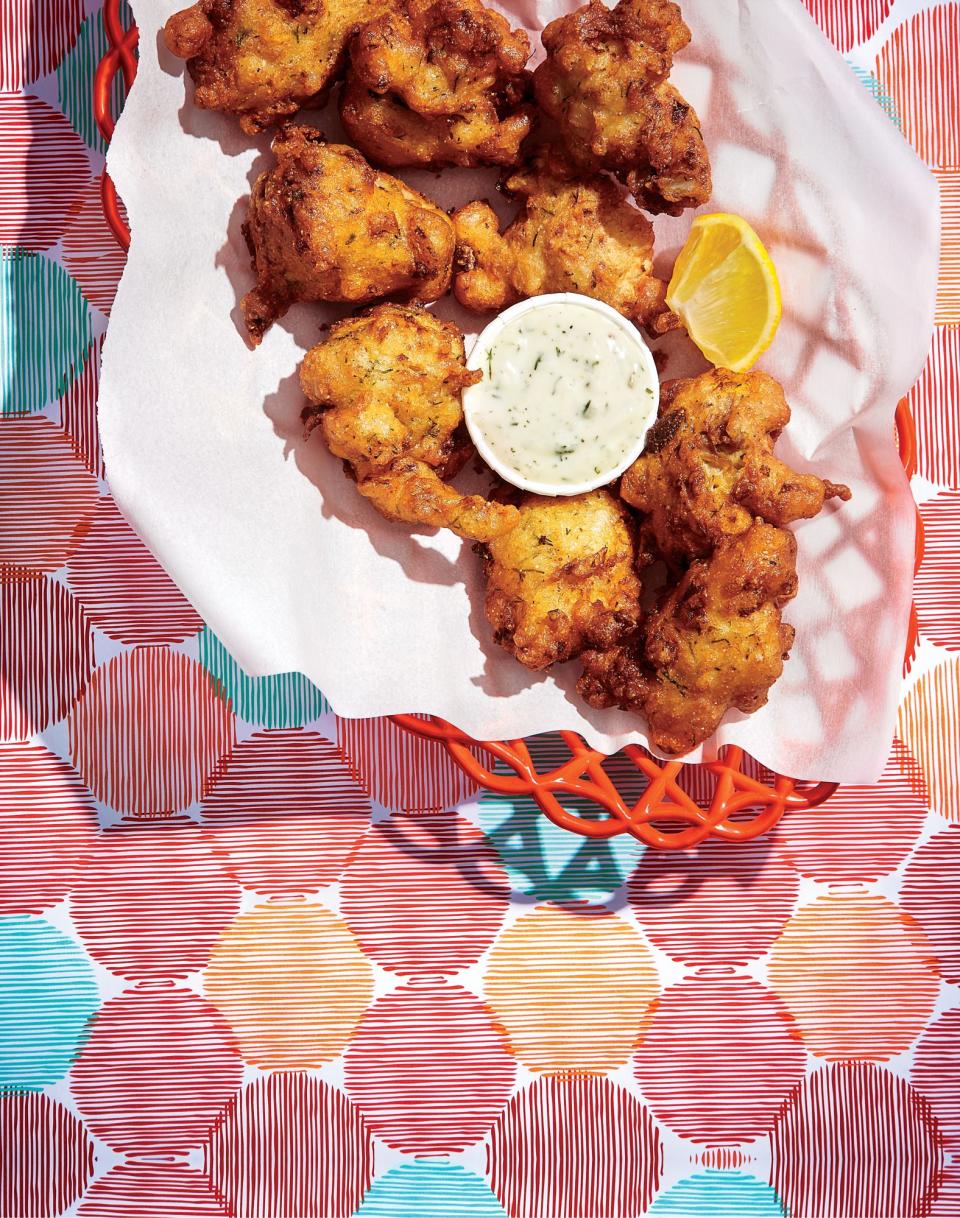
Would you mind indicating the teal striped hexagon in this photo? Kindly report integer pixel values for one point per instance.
(47, 997)
(286, 700)
(45, 330)
(718, 1194)
(429, 1189)
(75, 78)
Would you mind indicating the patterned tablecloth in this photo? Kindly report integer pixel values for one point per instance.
(256, 960)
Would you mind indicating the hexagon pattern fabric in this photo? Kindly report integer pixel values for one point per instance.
(257, 961)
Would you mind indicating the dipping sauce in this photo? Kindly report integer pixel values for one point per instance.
(568, 394)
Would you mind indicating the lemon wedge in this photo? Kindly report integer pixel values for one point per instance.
(726, 291)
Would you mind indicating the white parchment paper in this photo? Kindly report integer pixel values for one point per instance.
(295, 572)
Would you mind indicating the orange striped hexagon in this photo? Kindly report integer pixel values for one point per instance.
(571, 988)
(291, 982)
(930, 728)
(857, 974)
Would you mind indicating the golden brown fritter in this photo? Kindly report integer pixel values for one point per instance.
(563, 579)
(709, 468)
(438, 82)
(716, 642)
(575, 234)
(264, 59)
(324, 225)
(604, 83)
(387, 386)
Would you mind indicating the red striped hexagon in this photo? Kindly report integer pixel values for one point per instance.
(45, 168)
(428, 1068)
(937, 586)
(48, 823)
(46, 1157)
(574, 1147)
(930, 728)
(141, 928)
(148, 730)
(935, 404)
(91, 253)
(931, 894)
(285, 812)
(919, 66)
(78, 412)
(714, 904)
(156, 1069)
(47, 497)
(290, 1144)
(125, 591)
(936, 1073)
(425, 895)
(718, 1058)
(855, 1139)
(948, 284)
(46, 653)
(30, 48)
(860, 833)
(152, 1190)
(847, 23)
(401, 771)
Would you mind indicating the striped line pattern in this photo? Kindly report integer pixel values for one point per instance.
(855, 1139)
(425, 895)
(78, 411)
(148, 732)
(931, 895)
(47, 498)
(415, 1098)
(291, 982)
(402, 771)
(37, 147)
(948, 291)
(75, 78)
(157, 1068)
(46, 1157)
(683, 1066)
(131, 928)
(125, 591)
(930, 727)
(573, 1147)
(44, 330)
(283, 812)
(844, 1013)
(48, 821)
(849, 22)
(46, 654)
(937, 586)
(919, 66)
(90, 250)
(290, 1144)
(29, 47)
(288, 699)
(936, 1075)
(150, 1190)
(935, 404)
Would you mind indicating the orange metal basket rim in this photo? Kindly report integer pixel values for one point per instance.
(665, 816)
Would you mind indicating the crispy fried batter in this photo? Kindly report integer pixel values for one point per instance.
(575, 234)
(604, 83)
(264, 59)
(324, 225)
(388, 386)
(716, 642)
(438, 82)
(709, 468)
(563, 579)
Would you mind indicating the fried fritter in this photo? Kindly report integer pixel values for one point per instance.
(709, 468)
(438, 82)
(563, 579)
(604, 83)
(324, 225)
(387, 386)
(264, 59)
(716, 642)
(575, 234)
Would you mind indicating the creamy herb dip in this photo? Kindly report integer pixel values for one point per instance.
(567, 396)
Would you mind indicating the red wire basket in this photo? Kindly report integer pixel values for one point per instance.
(676, 805)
